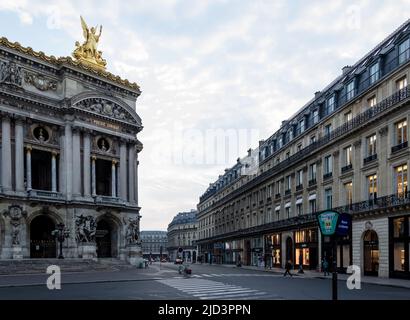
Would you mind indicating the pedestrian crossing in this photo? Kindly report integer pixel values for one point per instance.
(205, 289)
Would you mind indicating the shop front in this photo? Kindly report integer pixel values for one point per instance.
(306, 248)
(257, 252)
(273, 250)
(343, 254)
(399, 247)
(218, 253)
(233, 250)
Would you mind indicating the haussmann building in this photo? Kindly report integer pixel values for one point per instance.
(69, 156)
(347, 150)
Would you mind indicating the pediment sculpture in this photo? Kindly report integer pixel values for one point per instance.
(106, 108)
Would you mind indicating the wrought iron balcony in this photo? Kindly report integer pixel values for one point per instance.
(370, 158)
(399, 147)
(299, 187)
(327, 175)
(277, 196)
(312, 182)
(385, 202)
(347, 168)
(45, 194)
(287, 192)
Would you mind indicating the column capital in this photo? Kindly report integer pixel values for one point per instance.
(5, 115)
(93, 158)
(54, 153)
(19, 119)
(76, 129)
(29, 147)
(114, 162)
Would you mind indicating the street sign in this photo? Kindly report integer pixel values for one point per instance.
(328, 222)
(344, 225)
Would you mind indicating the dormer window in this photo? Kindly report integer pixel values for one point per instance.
(404, 51)
(302, 125)
(374, 73)
(350, 90)
(315, 116)
(330, 106)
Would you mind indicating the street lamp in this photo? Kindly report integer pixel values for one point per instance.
(61, 233)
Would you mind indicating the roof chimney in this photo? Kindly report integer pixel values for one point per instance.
(346, 69)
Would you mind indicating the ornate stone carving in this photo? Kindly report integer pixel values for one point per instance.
(383, 131)
(368, 225)
(106, 108)
(132, 234)
(85, 229)
(10, 73)
(15, 213)
(40, 82)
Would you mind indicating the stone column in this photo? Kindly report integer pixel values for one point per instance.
(53, 171)
(76, 163)
(68, 160)
(131, 173)
(28, 168)
(19, 155)
(136, 178)
(93, 177)
(123, 171)
(6, 154)
(86, 165)
(61, 165)
(113, 179)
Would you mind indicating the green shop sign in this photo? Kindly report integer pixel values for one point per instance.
(328, 222)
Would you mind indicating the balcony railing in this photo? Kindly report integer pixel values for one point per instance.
(287, 192)
(385, 202)
(107, 200)
(399, 147)
(347, 168)
(299, 187)
(327, 175)
(45, 194)
(312, 182)
(370, 158)
(277, 196)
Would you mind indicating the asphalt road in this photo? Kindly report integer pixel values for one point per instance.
(206, 282)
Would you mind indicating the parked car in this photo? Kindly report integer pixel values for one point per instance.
(178, 261)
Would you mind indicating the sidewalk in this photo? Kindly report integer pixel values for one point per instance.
(402, 283)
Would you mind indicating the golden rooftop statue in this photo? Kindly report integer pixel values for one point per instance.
(87, 53)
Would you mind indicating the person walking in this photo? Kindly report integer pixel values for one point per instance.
(325, 267)
(288, 266)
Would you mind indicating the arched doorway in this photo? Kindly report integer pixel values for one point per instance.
(371, 253)
(42, 243)
(106, 239)
(289, 250)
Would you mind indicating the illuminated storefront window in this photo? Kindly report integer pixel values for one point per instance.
(400, 247)
(306, 248)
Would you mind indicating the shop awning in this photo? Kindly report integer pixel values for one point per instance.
(299, 200)
(312, 197)
(287, 205)
(277, 208)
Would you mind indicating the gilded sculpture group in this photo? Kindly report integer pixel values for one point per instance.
(87, 52)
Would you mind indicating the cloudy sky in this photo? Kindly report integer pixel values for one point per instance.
(208, 69)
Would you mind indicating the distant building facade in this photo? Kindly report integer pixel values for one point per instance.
(182, 236)
(347, 149)
(152, 241)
